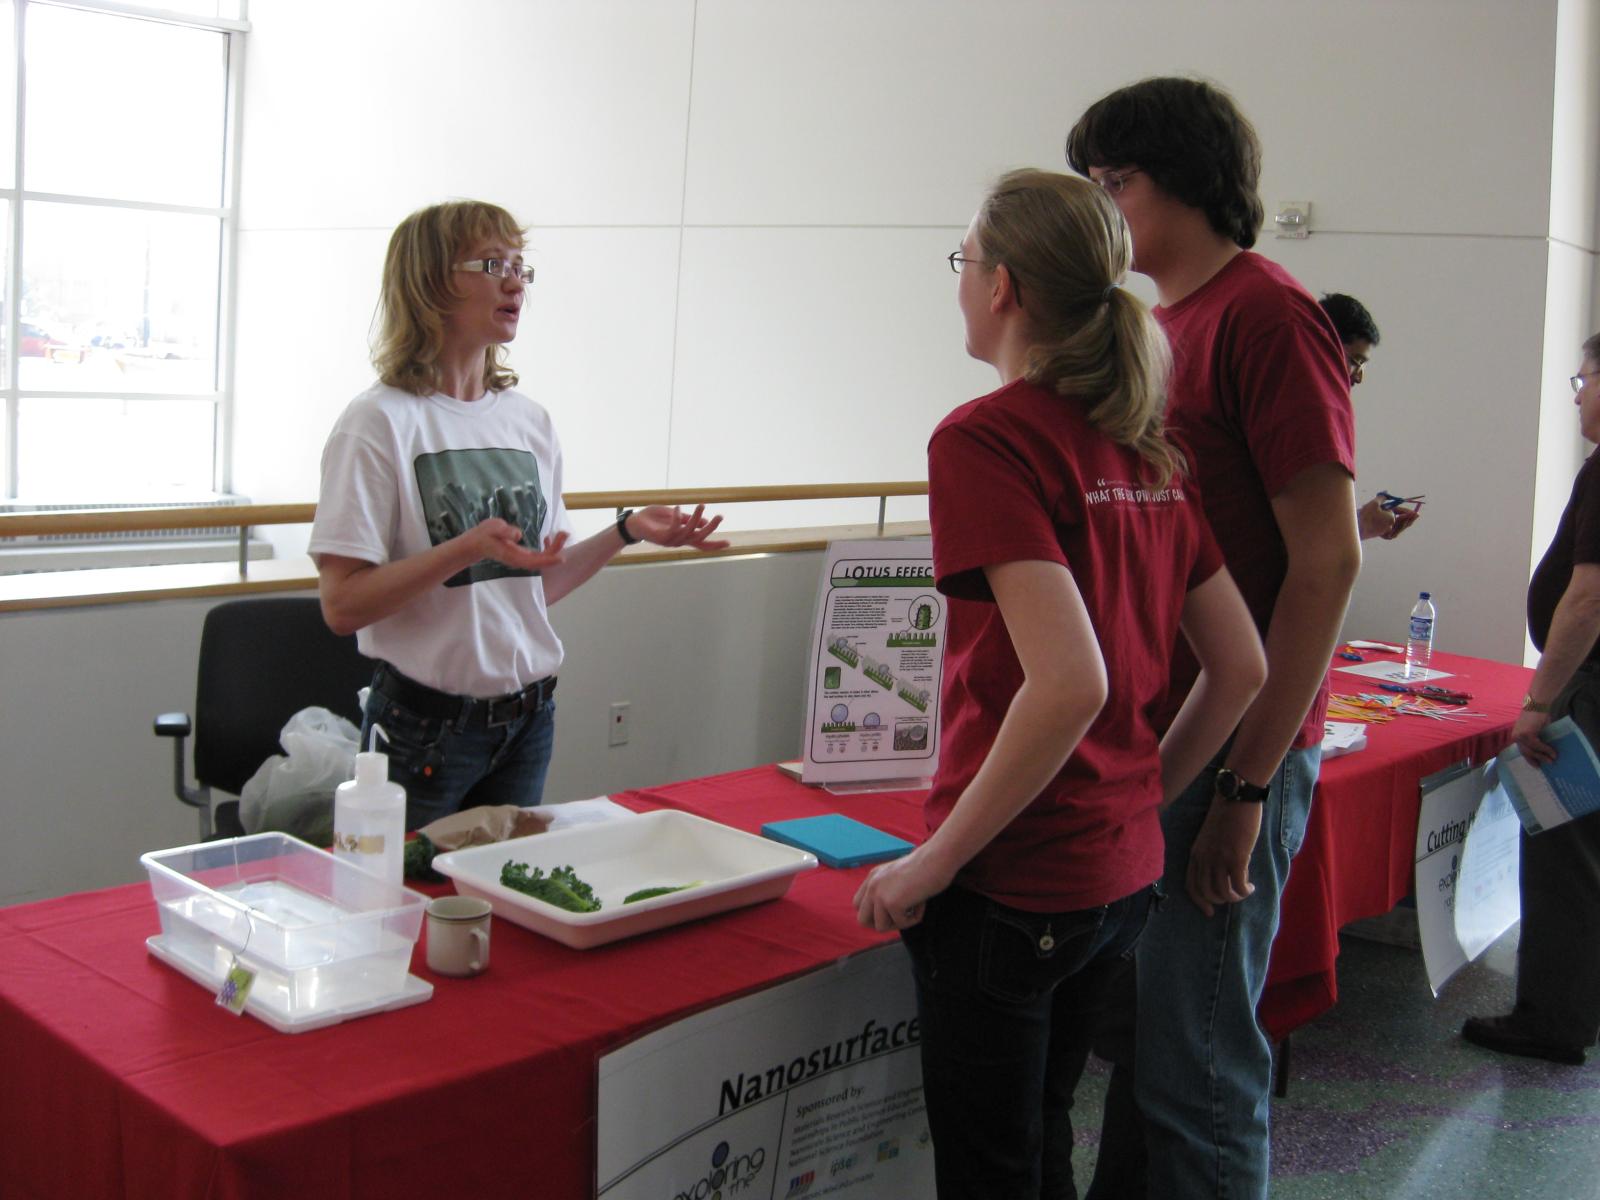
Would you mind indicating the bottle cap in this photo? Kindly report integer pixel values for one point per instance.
(1427, 595)
(372, 767)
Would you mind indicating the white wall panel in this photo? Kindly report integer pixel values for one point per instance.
(816, 355)
(1389, 116)
(1450, 408)
(595, 348)
(1575, 152)
(306, 305)
(360, 111)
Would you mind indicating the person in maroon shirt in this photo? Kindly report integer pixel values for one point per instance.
(1261, 396)
(1068, 538)
(1557, 1012)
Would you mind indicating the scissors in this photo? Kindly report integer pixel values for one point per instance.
(1390, 501)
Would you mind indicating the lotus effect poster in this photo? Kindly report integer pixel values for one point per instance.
(877, 661)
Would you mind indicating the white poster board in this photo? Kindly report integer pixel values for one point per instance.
(1466, 869)
(809, 1088)
(877, 660)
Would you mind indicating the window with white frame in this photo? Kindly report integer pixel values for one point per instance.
(117, 173)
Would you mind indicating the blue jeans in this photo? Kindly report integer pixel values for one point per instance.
(450, 764)
(1002, 998)
(1203, 1067)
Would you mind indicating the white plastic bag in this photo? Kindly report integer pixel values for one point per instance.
(293, 792)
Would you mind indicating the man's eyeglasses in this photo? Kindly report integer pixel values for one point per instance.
(1577, 380)
(500, 268)
(1114, 181)
(956, 260)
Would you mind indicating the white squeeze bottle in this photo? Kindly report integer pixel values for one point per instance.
(369, 819)
(1419, 637)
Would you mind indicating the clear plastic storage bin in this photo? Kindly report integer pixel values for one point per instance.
(325, 939)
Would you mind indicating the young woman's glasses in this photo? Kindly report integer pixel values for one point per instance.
(500, 268)
(956, 260)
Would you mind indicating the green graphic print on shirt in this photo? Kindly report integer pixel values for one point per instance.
(461, 488)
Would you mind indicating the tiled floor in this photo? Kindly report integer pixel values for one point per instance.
(1387, 1101)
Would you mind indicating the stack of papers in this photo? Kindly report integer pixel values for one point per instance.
(1343, 737)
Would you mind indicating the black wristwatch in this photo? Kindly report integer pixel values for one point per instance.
(622, 528)
(1231, 787)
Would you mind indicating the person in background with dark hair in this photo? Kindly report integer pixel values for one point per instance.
(1073, 554)
(1261, 396)
(1557, 1012)
(1358, 334)
(440, 536)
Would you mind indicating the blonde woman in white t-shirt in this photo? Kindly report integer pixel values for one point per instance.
(441, 538)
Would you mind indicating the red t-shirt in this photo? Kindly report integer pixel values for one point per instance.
(1021, 475)
(1259, 392)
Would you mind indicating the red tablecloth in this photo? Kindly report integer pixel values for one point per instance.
(1360, 845)
(123, 1078)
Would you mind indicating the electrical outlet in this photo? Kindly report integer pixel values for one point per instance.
(620, 722)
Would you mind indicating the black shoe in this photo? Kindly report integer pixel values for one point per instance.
(1506, 1035)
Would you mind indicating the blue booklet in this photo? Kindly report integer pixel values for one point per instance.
(838, 840)
(1552, 795)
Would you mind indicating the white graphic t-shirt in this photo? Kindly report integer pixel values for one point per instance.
(402, 473)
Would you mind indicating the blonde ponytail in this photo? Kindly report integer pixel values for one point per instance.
(1067, 248)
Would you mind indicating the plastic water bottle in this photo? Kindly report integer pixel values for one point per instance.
(1419, 637)
(369, 820)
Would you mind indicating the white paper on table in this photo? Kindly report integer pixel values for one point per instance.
(1343, 737)
(1394, 672)
(585, 812)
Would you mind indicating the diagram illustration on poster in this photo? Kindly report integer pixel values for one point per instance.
(877, 655)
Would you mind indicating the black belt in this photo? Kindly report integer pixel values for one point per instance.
(445, 706)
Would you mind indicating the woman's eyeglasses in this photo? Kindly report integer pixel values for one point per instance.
(500, 268)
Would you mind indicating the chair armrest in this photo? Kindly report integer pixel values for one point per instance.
(173, 725)
(178, 727)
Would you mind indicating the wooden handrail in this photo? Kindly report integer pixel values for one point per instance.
(131, 520)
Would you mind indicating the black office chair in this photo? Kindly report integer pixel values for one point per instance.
(261, 661)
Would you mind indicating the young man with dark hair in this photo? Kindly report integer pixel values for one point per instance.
(1358, 334)
(1261, 397)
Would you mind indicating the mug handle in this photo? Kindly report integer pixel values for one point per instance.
(480, 949)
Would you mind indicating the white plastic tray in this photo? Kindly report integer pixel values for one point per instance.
(616, 858)
(270, 1009)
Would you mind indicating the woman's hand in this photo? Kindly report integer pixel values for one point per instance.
(893, 895)
(1525, 735)
(663, 526)
(502, 541)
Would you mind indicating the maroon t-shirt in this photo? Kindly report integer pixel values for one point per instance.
(1259, 393)
(1577, 540)
(1020, 475)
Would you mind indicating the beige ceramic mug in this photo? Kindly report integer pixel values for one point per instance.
(458, 935)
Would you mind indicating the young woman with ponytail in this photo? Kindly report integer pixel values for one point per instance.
(1070, 543)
